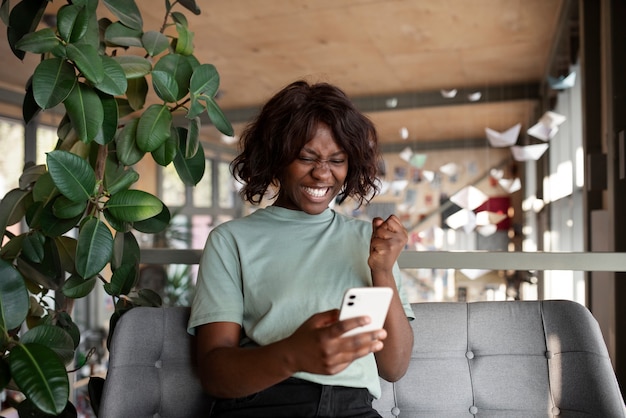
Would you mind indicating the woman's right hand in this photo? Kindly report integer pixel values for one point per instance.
(317, 346)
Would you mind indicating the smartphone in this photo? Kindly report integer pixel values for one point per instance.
(366, 301)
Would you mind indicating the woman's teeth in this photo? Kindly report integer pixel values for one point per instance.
(316, 192)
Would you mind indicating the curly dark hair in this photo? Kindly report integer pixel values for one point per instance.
(288, 121)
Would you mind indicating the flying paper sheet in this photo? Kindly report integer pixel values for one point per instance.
(528, 152)
(469, 198)
(450, 169)
(406, 154)
(463, 218)
(503, 139)
(547, 126)
(448, 94)
(510, 185)
(475, 96)
(562, 83)
(486, 217)
(487, 230)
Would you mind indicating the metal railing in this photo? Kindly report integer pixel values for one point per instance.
(577, 261)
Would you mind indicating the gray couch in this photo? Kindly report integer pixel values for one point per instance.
(484, 359)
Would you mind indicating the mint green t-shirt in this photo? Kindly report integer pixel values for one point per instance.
(273, 269)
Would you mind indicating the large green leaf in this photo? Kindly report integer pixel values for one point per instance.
(55, 338)
(154, 127)
(12, 208)
(31, 174)
(190, 5)
(40, 375)
(128, 153)
(66, 247)
(52, 225)
(179, 67)
(114, 81)
(24, 18)
(53, 81)
(155, 224)
(111, 118)
(123, 280)
(44, 189)
(85, 111)
(32, 247)
(193, 138)
(126, 11)
(134, 66)
(165, 154)
(72, 22)
(190, 170)
(94, 249)
(30, 108)
(184, 43)
(115, 182)
(87, 60)
(136, 92)
(165, 86)
(205, 80)
(125, 250)
(72, 175)
(154, 42)
(218, 118)
(133, 205)
(118, 34)
(76, 287)
(13, 297)
(40, 42)
(65, 208)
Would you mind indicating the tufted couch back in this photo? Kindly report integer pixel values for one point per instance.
(484, 359)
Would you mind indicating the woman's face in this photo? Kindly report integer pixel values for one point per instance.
(316, 176)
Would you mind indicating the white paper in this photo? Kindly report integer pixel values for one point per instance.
(450, 169)
(547, 127)
(463, 218)
(448, 94)
(486, 217)
(562, 83)
(503, 139)
(528, 152)
(510, 185)
(406, 154)
(487, 230)
(469, 198)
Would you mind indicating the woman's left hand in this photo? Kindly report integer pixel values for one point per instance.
(388, 239)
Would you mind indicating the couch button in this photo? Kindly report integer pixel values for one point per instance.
(469, 355)
(158, 364)
(395, 411)
(556, 411)
(548, 355)
(473, 410)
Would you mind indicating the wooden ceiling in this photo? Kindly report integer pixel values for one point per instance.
(381, 52)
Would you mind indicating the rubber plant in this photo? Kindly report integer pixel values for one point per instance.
(122, 92)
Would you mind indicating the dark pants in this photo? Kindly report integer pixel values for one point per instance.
(296, 398)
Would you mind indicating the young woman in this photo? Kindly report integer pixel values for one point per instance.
(265, 313)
